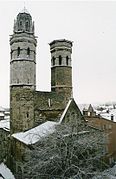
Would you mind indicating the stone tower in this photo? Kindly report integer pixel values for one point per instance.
(22, 72)
(61, 69)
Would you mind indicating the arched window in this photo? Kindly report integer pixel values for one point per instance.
(67, 60)
(20, 25)
(60, 60)
(27, 114)
(27, 25)
(18, 51)
(53, 60)
(28, 81)
(17, 80)
(28, 51)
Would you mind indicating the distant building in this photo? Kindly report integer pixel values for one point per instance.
(103, 118)
(89, 112)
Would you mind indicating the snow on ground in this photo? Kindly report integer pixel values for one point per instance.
(5, 124)
(5, 172)
(35, 134)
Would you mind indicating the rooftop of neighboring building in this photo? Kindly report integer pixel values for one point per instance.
(106, 111)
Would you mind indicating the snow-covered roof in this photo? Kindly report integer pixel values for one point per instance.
(2, 109)
(1, 114)
(107, 113)
(5, 172)
(35, 134)
(5, 124)
(7, 117)
(84, 106)
(64, 112)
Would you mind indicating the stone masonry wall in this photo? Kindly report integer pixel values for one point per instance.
(22, 109)
(48, 106)
(3, 144)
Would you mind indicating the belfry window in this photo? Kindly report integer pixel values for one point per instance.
(27, 25)
(28, 81)
(18, 51)
(60, 60)
(20, 25)
(67, 60)
(53, 60)
(17, 81)
(27, 114)
(28, 51)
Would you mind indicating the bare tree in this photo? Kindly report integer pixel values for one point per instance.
(72, 151)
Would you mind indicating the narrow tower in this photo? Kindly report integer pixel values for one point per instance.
(23, 52)
(22, 72)
(61, 69)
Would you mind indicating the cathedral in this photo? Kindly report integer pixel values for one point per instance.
(31, 111)
(29, 107)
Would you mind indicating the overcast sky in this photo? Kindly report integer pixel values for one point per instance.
(92, 28)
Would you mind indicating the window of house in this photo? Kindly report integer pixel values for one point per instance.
(18, 51)
(67, 60)
(60, 60)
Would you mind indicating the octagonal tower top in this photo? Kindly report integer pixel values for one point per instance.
(24, 23)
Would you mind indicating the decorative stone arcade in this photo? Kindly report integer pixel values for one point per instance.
(61, 70)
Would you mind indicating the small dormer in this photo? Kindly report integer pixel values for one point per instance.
(90, 112)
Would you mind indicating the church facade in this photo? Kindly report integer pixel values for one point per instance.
(28, 106)
(32, 110)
